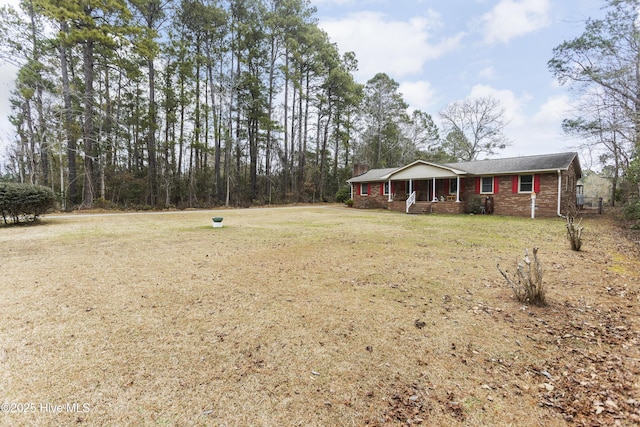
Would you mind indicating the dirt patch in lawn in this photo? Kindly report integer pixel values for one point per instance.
(314, 316)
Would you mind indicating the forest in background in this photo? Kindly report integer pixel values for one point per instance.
(194, 103)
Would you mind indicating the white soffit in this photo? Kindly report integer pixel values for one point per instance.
(422, 171)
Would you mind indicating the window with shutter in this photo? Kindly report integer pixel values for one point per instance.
(486, 185)
(526, 184)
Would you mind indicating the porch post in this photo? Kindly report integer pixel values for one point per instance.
(458, 189)
(435, 197)
(390, 199)
(410, 186)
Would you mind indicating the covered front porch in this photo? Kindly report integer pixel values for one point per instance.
(423, 187)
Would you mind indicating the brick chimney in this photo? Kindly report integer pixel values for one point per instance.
(359, 169)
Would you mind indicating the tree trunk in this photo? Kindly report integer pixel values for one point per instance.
(87, 128)
(325, 141)
(285, 160)
(272, 67)
(253, 156)
(151, 138)
(216, 134)
(68, 120)
(302, 149)
(41, 133)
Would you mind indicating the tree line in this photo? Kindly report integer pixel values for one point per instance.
(602, 68)
(197, 102)
(189, 103)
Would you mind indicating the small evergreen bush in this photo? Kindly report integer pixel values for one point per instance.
(631, 210)
(24, 203)
(474, 206)
(343, 194)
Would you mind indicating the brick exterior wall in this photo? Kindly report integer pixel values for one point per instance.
(374, 200)
(569, 190)
(506, 202)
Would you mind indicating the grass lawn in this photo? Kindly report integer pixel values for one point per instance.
(314, 316)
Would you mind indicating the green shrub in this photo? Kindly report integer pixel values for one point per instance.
(343, 194)
(474, 206)
(349, 203)
(631, 210)
(24, 203)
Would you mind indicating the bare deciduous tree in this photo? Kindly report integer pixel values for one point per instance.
(605, 131)
(474, 126)
(605, 60)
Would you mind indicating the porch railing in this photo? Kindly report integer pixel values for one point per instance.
(410, 201)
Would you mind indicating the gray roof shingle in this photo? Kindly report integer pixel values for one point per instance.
(510, 165)
(372, 175)
(539, 163)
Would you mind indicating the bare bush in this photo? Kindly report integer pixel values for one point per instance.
(574, 227)
(574, 232)
(526, 281)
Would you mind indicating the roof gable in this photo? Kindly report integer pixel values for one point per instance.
(421, 169)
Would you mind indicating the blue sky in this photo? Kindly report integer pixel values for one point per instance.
(444, 51)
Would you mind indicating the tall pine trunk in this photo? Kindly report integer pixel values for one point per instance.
(152, 172)
(285, 160)
(68, 119)
(87, 127)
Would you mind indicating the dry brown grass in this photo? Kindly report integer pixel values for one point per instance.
(314, 316)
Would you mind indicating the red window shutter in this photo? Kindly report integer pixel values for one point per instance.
(381, 188)
(368, 188)
(496, 182)
(393, 187)
(514, 184)
(536, 183)
(478, 185)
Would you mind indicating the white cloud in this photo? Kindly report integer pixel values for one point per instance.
(512, 18)
(398, 48)
(531, 132)
(541, 132)
(508, 100)
(487, 73)
(554, 110)
(420, 95)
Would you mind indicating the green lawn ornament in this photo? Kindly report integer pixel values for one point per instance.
(217, 222)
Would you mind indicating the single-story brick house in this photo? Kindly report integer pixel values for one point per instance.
(542, 185)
